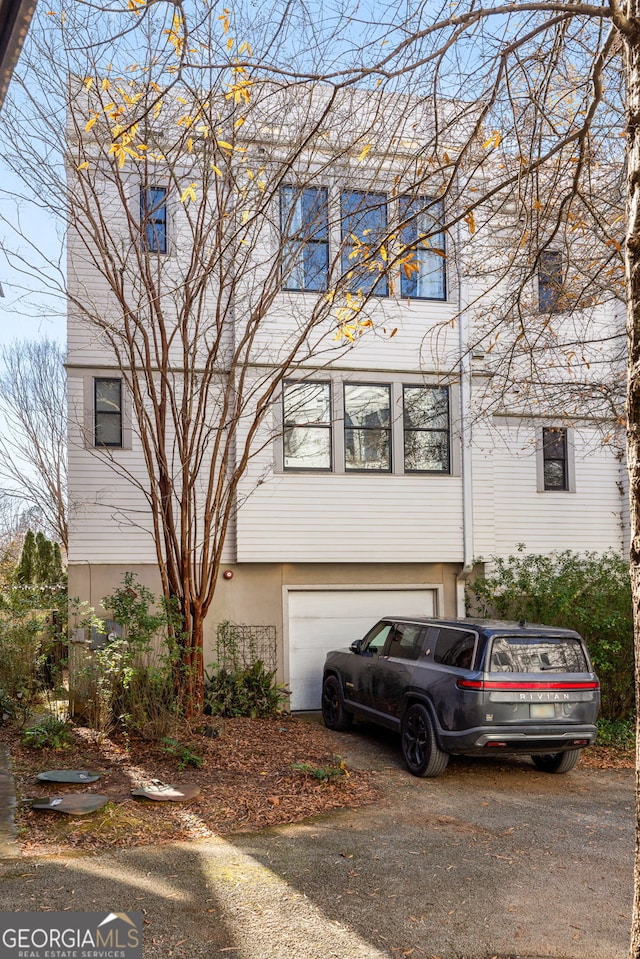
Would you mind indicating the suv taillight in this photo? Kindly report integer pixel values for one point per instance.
(492, 684)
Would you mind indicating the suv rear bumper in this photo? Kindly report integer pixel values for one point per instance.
(536, 739)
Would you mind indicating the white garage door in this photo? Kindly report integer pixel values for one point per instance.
(325, 619)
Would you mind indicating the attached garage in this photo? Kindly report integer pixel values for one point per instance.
(320, 619)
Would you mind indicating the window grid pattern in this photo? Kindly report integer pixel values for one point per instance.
(304, 221)
(307, 426)
(425, 276)
(364, 230)
(555, 458)
(108, 412)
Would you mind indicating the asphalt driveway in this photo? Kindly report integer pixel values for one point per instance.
(491, 859)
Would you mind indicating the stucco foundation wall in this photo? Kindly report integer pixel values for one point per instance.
(254, 594)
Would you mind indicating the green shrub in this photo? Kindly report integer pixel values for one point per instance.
(244, 691)
(617, 734)
(184, 754)
(131, 683)
(50, 732)
(588, 592)
(323, 774)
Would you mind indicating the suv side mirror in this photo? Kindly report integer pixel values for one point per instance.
(356, 646)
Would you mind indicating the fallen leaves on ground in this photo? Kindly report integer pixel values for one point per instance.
(246, 782)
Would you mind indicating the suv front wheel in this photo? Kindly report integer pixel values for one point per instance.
(334, 714)
(422, 755)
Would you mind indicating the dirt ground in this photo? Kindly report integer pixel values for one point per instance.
(254, 773)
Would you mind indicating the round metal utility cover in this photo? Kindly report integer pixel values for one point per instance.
(164, 792)
(69, 776)
(75, 804)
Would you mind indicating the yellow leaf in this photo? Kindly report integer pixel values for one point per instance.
(239, 122)
(189, 193)
(224, 144)
(364, 152)
(90, 122)
(190, 145)
(493, 141)
(216, 169)
(83, 166)
(471, 222)
(225, 20)
(245, 48)
(229, 43)
(105, 84)
(87, 83)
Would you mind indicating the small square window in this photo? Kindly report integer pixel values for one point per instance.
(153, 218)
(108, 412)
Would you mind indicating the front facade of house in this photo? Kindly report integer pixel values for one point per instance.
(374, 483)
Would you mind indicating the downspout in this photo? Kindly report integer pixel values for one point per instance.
(465, 439)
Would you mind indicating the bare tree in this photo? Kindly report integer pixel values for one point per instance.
(516, 117)
(33, 443)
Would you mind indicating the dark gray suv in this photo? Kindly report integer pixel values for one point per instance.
(468, 687)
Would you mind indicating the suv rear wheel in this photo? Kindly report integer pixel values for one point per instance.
(422, 755)
(334, 714)
(556, 762)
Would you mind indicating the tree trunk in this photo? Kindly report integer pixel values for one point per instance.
(632, 69)
(190, 668)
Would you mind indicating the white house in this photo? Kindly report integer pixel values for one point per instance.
(376, 476)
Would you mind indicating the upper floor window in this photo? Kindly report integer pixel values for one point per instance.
(153, 218)
(425, 275)
(307, 426)
(555, 458)
(367, 427)
(304, 220)
(364, 234)
(107, 412)
(550, 281)
(426, 429)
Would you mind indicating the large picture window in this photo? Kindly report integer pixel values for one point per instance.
(304, 223)
(364, 232)
(307, 426)
(426, 429)
(423, 235)
(108, 412)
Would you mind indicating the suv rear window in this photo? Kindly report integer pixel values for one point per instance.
(455, 647)
(535, 654)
